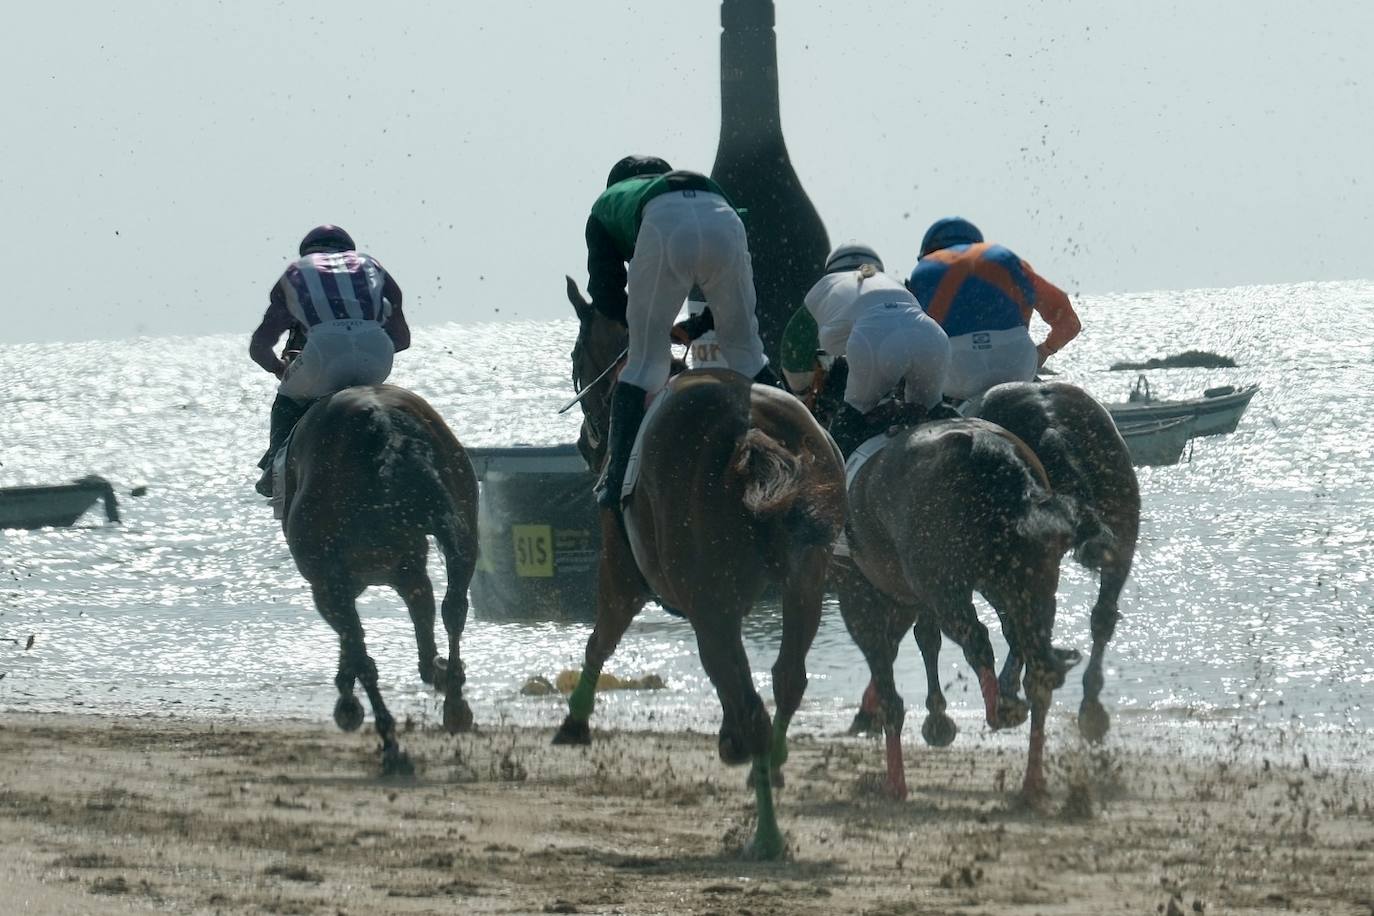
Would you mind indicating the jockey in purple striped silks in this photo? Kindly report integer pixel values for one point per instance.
(348, 311)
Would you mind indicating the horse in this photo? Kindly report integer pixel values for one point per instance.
(1088, 463)
(371, 471)
(947, 508)
(738, 487)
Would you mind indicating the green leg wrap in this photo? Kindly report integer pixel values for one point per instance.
(582, 700)
(779, 742)
(767, 842)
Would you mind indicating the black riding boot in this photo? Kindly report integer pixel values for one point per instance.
(849, 429)
(767, 376)
(627, 411)
(286, 412)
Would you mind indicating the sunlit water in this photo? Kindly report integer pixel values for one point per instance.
(1248, 613)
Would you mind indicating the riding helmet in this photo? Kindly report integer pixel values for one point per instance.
(326, 238)
(850, 256)
(948, 232)
(634, 166)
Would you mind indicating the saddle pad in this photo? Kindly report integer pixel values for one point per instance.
(861, 455)
(856, 461)
(279, 477)
(632, 467)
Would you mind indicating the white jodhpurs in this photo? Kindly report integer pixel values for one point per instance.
(686, 238)
(338, 354)
(892, 342)
(982, 359)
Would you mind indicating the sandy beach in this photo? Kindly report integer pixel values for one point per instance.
(196, 816)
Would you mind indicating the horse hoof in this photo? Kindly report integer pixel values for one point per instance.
(573, 731)
(1093, 721)
(939, 730)
(437, 674)
(1011, 712)
(348, 713)
(732, 750)
(865, 723)
(765, 849)
(457, 715)
(396, 762)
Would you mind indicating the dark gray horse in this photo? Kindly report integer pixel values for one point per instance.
(372, 471)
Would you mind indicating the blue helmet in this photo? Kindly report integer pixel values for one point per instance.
(326, 238)
(948, 232)
(634, 166)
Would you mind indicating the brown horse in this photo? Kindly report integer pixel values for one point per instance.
(948, 508)
(1088, 463)
(371, 472)
(738, 487)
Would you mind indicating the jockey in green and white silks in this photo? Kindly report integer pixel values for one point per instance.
(674, 230)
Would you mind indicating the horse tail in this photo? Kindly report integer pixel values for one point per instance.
(773, 475)
(1011, 483)
(1093, 541)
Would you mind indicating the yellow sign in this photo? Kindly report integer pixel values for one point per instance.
(533, 550)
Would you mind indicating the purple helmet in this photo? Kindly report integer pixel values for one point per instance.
(326, 238)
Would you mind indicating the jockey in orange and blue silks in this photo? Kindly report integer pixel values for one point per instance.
(983, 295)
(348, 310)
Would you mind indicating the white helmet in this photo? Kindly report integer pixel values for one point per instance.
(852, 255)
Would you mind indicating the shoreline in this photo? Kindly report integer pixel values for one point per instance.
(204, 815)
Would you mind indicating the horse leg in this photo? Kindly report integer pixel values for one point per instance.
(1093, 721)
(866, 716)
(939, 729)
(876, 625)
(1029, 621)
(415, 589)
(337, 605)
(619, 598)
(450, 674)
(750, 738)
(960, 622)
(801, 617)
(1009, 681)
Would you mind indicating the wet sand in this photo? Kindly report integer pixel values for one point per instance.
(192, 816)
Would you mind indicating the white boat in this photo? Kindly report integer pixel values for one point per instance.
(1157, 442)
(1216, 413)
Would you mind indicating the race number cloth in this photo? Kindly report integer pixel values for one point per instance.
(632, 467)
(852, 466)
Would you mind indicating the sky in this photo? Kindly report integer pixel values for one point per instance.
(160, 161)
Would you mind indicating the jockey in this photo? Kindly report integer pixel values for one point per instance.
(858, 312)
(347, 308)
(983, 295)
(675, 230)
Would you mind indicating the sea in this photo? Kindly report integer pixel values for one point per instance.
(1248, 621)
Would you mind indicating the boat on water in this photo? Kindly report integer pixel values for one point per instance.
(57, 506)
(1155, 443)
(1216, 413)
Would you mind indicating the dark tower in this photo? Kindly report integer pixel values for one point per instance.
(786, 236)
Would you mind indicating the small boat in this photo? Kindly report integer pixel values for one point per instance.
(55, 506)
(1216, 413)
(1157, 442)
